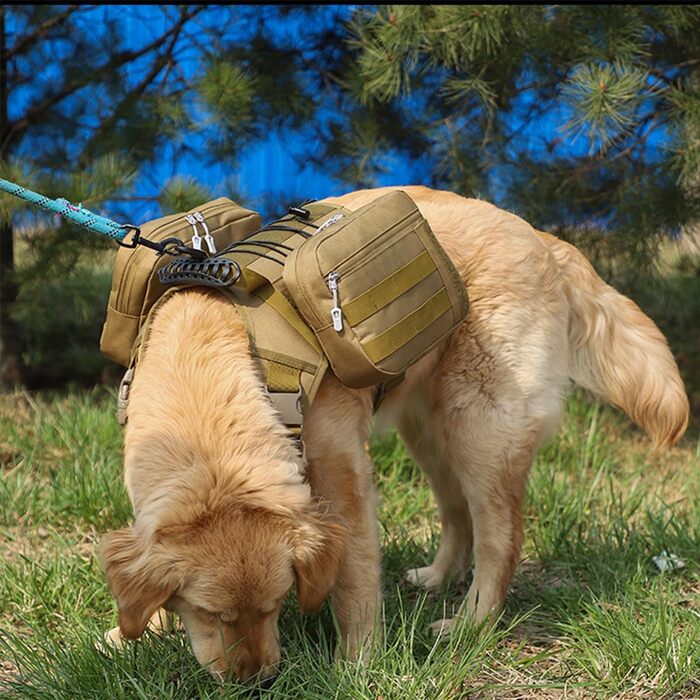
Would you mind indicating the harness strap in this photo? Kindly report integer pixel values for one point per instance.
(136, 351)
(292, 379)
(289, 356)
(281, 305)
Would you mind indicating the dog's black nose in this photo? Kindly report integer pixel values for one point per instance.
(266, 683)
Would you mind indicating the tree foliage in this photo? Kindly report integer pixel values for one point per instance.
(568, 114)
(580, 118)
(88, 107)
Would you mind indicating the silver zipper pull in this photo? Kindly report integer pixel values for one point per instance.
(211, 244)
(336, 312)
(196, 238)
(329, 222)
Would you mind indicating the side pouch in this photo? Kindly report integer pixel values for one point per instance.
(377, 289)
(135, 284)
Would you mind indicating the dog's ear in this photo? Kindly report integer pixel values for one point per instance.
(319, 547)
(134, 580)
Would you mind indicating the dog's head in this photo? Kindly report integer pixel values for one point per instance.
(226, 575)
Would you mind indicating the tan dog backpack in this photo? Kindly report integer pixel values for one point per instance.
(376, 288)
(368, 291)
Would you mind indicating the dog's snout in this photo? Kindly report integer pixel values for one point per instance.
(249, 668)
(266, 683)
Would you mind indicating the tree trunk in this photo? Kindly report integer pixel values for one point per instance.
(10, 338)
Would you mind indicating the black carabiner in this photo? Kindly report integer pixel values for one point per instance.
(136, 239)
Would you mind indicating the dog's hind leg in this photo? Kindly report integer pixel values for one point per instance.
(418, 431)
(494, 408)
(493, 472)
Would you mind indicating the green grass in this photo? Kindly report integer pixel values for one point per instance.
(588, 616)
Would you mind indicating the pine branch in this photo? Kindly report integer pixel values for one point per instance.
(116, 61)
(135, 198)
(137, 91)
(31, 39)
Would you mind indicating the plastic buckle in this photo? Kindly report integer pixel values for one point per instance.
(123, 395)
(288, 405)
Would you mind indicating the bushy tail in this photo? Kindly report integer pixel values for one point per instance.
(617, 352)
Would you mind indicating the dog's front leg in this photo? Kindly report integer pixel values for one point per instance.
(161, 621)
(342, 475)
(356, 597)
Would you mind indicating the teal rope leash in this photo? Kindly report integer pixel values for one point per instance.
(96, 223)
(83, 217)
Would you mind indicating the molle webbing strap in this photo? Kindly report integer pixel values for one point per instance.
(400, 333)
(281, 377)
(389, 289)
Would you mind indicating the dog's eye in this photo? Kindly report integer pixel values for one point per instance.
(227, 616)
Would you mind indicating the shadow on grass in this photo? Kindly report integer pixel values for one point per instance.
(608, 568)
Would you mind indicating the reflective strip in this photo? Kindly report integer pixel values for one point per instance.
(389, 289)
(392, 339)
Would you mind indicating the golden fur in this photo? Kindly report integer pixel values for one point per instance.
(228, 518)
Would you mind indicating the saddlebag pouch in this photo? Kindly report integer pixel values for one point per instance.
(376, 288)
(135, 283)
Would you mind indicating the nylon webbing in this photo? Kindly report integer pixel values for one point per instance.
(389, 289)
(400, 333)
(281, 377)
(279, 303)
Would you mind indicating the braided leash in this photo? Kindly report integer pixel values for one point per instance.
(96, 223)
(83, 217)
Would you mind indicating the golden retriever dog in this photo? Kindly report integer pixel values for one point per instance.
(228, 518)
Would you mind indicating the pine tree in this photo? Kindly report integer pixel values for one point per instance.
(86, 108)
(580, 118)
(571, 115)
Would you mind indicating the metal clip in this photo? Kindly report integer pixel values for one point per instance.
(211, 244)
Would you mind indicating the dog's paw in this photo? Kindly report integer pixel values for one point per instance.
(442, 628)
(114, 638)
(425, 577)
